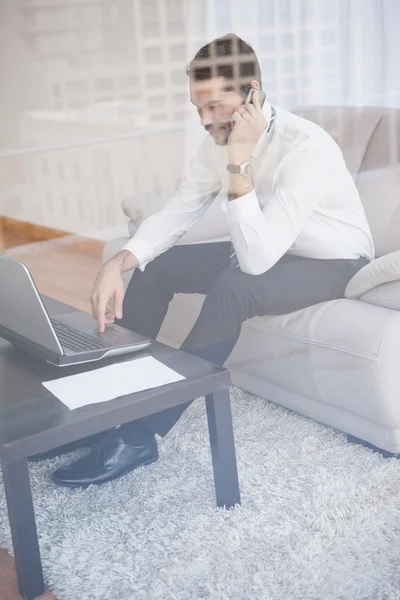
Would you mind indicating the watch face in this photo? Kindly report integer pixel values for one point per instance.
(247, 168)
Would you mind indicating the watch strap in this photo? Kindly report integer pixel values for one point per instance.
(236, 169)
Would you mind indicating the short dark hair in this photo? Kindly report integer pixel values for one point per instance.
(230, 57)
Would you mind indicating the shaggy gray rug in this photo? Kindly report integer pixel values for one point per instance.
(320, 519)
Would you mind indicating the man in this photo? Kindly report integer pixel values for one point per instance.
(299, 234)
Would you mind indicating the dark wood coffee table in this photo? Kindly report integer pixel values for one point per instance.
(32, 420)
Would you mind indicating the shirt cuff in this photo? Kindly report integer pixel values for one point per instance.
(143, 251)
(243, 207)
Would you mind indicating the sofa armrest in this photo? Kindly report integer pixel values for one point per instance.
(380, 271)
(140, 206)
(132, 207)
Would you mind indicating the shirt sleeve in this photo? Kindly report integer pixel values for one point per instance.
(159, 232)
(261, 236)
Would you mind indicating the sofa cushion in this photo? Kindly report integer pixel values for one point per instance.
(379, 190)
(378, 272)
(386, 295)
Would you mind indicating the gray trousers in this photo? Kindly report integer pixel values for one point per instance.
(232, 297)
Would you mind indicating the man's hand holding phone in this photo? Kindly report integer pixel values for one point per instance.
(109, 286)
(248, 124)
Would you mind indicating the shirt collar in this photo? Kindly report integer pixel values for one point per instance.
(267, 111)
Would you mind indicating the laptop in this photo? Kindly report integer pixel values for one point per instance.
(63, 340)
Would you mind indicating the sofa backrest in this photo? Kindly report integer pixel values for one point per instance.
(369, 138)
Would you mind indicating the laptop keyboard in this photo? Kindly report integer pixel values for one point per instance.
(76, 340)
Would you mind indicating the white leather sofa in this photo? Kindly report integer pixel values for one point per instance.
(337, 362)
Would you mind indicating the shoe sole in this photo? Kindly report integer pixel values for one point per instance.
(85, 486)
(35, 459)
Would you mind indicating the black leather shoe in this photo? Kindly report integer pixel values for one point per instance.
(87, 442)
(108, 460)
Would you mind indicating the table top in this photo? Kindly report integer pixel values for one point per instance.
(32, 420)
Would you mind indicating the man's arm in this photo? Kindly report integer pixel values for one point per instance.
(158, 233)
(262, 236)
(238, 184)
(199, 187)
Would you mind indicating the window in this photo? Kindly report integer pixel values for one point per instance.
(285, 12)
(290, 84)
(155, 80)
(156, 101)
(328, 37)
(151, 29)
(268, 67)
(153, 55)
(225, 71)
(307, 62)
(179, 98)
(77, 105)
(224, 48)
(176, 28)
(179, 116)
(175, 9)
(179, 77)
(77, 172)
(112, 41)
(290, 101)
(129, 81)
(158, 118)
(49, 203)
(109, 14)
(266, 12)
(150, 18)
(176, 17)
(310, 11)
(95, 41)
(328, 79)
(78, 60)
(45, 166)
(104, 84)
(177, 52)
(288, 64)
(81, 208)
(287, 41)
(308, 38)
(76, 87)
(267, 43)
(329, 59)
(65, 205)
(131, 97)
(247, 69)
(328, 10)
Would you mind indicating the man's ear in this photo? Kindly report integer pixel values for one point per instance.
(255, 84)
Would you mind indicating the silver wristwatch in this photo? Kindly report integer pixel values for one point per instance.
(245, 169)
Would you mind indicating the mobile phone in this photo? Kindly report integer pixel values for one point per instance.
(261, 96)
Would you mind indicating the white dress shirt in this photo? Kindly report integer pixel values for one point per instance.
(304, 201)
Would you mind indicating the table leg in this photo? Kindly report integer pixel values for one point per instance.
(223, 448)
(23, 529)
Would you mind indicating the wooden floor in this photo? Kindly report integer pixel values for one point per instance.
(64, 269)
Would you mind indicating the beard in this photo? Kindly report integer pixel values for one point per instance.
(221, 140)
(222, 136)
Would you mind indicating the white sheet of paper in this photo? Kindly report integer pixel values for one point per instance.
(111, 382)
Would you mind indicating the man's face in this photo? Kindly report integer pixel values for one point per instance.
(215, 106)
